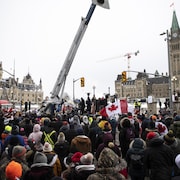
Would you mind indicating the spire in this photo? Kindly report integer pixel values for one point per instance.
(40, 84)
(175, 25)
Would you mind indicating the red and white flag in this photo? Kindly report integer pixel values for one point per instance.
(118, 107)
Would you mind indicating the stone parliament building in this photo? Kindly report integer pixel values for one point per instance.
(160, 86)
(19, 93)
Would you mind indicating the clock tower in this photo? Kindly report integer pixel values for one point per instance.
(174, 50)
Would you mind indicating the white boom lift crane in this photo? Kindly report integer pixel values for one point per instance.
(60, 82)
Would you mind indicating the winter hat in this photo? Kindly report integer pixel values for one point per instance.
(107, 127)
(22, 132)
(138, 143)
(85, 120)
(8, 128)
(177, 161)
(65, 123)
(13, 170)
(154, 117)
(169, 138)
(87, 159)
(61, 137)
(18, 151)
(15, 129)
(108, 158)
(107, 137)
(177, 118)
(80, 131)
(46, 121)
(104, 125)
(152, 135)
(40, 159)
(36, 128)
(47, 147)
(76, 157)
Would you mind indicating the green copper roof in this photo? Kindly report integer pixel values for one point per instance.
(175, 25)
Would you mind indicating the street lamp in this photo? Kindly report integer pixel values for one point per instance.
(94, 87)
(174, 79)
(169, 68)
(74, 80)
(109, 90)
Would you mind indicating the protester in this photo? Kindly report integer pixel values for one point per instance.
(13, 171)
(31, 152)
(174, 144)
(71, 161)
(85, 168)
(23, 134)
(158, 158)
(103, 127)
(126, 135)
(175, 126)
(19, 155)
(135, 159)
(108, 141)
(36, 136)
(177, 162)
(5, 133)
(80, 143)
(40, 170)
(71, 133)
(14, 134)
(52, 159)
(62, 148)
(108, 166)
(49, 134)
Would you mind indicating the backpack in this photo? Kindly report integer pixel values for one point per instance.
(136, 161)
(130, 135)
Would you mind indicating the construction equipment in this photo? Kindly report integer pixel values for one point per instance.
(128, 55)
(60, 82)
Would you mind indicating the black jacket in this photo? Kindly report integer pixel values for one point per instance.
(158, 160)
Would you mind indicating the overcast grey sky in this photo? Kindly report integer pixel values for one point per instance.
(37, 35)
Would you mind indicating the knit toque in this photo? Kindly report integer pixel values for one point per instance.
(13, 170)
(169, 138)
(18, 151)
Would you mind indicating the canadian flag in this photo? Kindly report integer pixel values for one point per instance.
(118, 107)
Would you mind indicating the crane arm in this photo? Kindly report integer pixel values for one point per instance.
(60, 82)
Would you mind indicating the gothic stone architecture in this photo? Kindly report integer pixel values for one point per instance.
(158, 86)
(19, 93)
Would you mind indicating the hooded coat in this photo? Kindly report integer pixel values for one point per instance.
(81, 143)
(158, 160)
(108, 142)
(108, 166)
(40, 170)
(136, 149)
(36, 136)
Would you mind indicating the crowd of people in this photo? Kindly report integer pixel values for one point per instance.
(80, 146)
